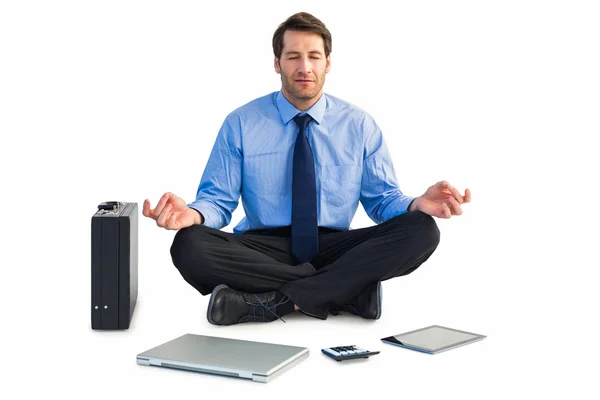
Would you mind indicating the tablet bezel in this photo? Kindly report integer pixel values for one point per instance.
(392, 340)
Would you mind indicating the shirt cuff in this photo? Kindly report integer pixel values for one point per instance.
(400, 206)
(211, 217)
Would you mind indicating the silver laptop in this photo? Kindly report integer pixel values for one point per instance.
(258, 361)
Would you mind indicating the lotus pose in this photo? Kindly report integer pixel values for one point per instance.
(301, 160)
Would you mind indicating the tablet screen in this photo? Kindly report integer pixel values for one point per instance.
(433, 339)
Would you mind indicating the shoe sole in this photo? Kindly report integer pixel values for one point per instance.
(378, 300)
(210, 303)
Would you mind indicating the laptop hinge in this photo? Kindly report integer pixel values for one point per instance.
(245, 374)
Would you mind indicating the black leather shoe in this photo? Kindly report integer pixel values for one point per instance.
(367, 304)
(228, 306)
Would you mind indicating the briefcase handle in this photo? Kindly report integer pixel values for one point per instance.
(109, 206)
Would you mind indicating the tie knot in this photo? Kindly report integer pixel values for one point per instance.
(302, 121)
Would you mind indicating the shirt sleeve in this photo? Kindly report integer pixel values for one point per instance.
(380, 194)
(220, 186)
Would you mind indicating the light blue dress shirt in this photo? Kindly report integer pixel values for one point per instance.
(253, 157)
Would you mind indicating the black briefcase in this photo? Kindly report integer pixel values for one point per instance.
(114, 264)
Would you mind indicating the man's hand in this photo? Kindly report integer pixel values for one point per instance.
(172, 213)
(441, 200)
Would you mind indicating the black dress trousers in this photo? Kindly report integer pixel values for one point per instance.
(348, 261)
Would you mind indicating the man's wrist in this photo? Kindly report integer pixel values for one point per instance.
(414, 205)
(199, 220)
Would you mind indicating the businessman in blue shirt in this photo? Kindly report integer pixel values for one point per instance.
(301, 160)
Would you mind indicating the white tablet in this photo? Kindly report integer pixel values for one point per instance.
(433, 339)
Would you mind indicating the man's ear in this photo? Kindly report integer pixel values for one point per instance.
(328, 65)
(276, 64)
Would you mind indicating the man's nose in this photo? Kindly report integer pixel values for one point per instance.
(305, 65)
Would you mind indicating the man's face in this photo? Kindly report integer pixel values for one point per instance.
(302, 66)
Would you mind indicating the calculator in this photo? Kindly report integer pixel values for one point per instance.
(342, 353)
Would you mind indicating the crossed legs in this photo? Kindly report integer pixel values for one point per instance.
(347, 263)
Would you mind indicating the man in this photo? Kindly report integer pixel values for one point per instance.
(301, 160)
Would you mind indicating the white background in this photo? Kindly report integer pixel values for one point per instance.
(122, 100)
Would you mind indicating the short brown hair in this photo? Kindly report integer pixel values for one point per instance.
(303, 22)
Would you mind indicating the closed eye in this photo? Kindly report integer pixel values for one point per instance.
(312, 58)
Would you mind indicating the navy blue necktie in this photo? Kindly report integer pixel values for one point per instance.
(305, 232)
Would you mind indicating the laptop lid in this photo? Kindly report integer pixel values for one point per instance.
(230, 357)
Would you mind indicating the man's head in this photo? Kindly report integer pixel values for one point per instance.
(302, 48)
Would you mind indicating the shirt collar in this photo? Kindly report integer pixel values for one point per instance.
(287, 111)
